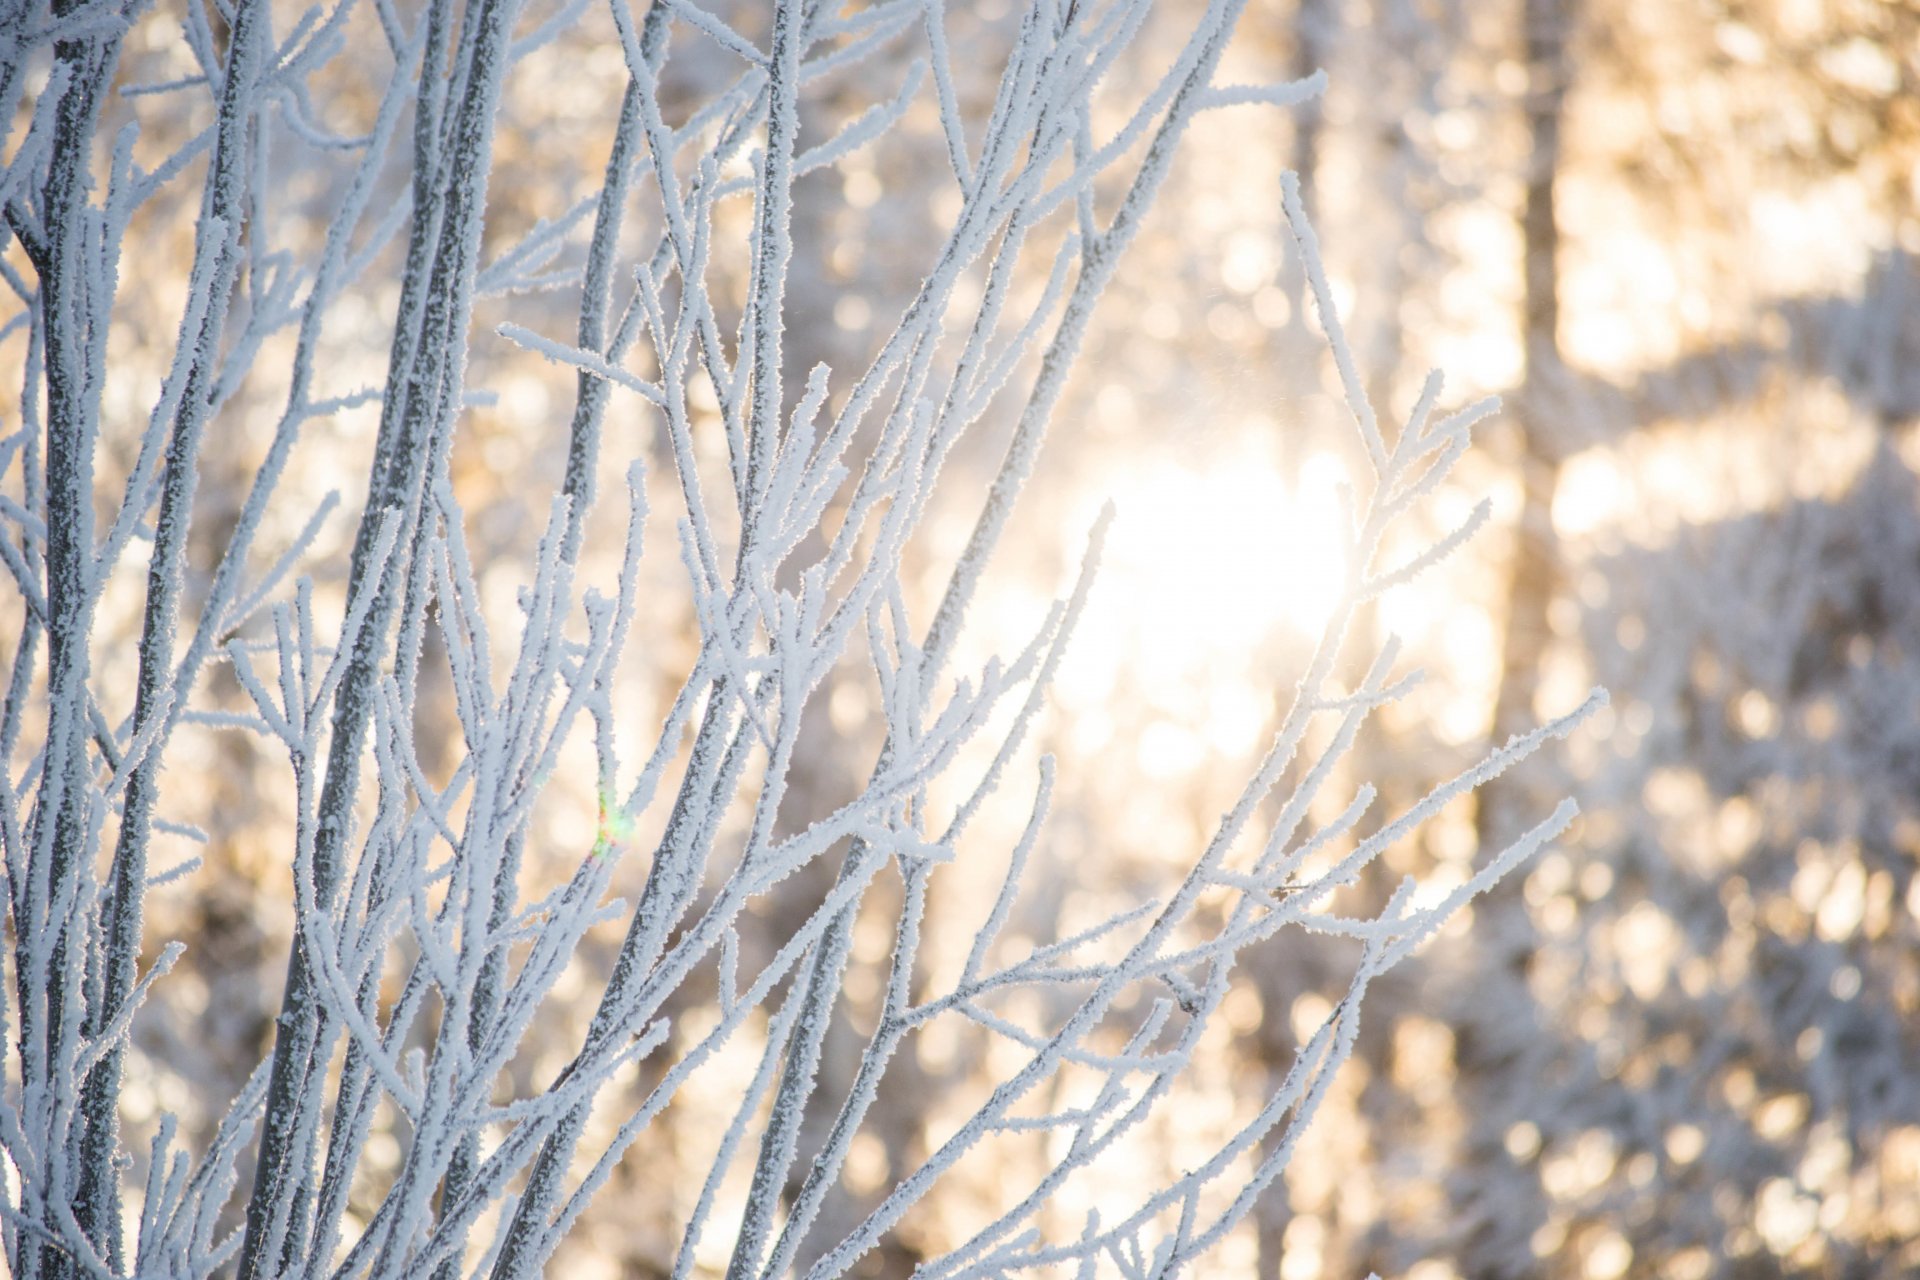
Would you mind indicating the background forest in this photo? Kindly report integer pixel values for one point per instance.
(1678, 240)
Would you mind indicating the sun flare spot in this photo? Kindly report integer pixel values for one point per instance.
(1210, 566)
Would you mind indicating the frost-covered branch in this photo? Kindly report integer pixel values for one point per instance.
(410, 1119)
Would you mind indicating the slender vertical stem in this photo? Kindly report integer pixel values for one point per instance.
(97, 1205)
(76, 301)
(427, 371)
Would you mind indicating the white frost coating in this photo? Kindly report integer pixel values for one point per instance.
(423, 969)
(587, 361)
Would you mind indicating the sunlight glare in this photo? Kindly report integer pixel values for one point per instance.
(1208, 567)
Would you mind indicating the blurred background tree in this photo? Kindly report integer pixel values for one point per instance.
(1679, 240)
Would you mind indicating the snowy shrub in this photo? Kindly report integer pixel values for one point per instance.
(1714, 1077)
(368, 176)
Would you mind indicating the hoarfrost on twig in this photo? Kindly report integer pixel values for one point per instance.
(418, 972)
